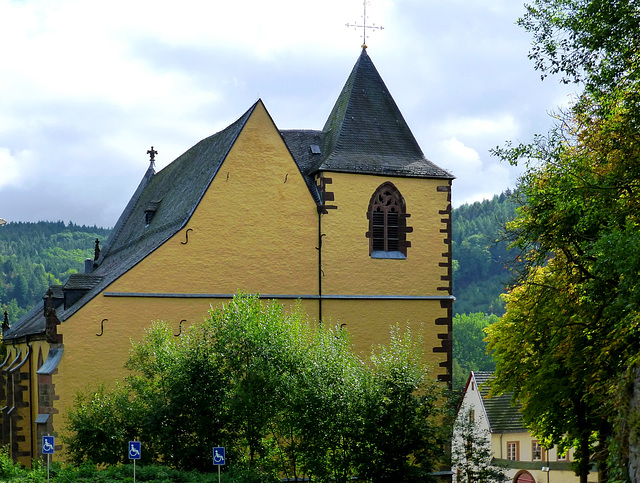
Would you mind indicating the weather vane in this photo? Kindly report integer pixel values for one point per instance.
(364, 25)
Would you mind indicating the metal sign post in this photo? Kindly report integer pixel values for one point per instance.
(48, 448)
(135, 450)
(218, 458)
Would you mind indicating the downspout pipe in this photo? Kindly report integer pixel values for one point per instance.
(319, 247)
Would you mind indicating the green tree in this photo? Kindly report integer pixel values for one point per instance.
(594, 42)
(543, 355)
(281, 394)
(102, 421)
(36, 255)
(402, 442)
(581, 199)
(469, 346)
(481, 254)
(576, 309)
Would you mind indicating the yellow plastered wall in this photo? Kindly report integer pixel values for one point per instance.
(347, 266)
(90, 359)
(369, 323)
(254, 230)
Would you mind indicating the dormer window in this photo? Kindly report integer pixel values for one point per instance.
(150, 212)
(388, 228)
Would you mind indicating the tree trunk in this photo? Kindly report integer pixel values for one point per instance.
(634, 430)
(583, 452)
(584, 462)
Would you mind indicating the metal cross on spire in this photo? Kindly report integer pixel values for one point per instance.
(364, 25)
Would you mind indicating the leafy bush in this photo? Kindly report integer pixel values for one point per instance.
(283, 396)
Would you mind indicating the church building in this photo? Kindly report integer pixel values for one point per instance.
(351, 220)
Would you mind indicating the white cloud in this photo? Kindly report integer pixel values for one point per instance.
(12, 168)
(476, 179)
(500, 125)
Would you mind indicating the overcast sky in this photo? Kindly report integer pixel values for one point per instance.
(87, 87)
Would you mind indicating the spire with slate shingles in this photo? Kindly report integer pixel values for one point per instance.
(366, 133)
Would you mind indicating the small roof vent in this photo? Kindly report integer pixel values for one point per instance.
(150, 211)
(315, 149)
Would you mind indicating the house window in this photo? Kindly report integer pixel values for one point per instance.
(537, 451)
(388, 229)
(513, 451)
(563, 456)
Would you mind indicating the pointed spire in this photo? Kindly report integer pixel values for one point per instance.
(366, 132)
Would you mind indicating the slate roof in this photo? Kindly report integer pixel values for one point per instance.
(299, 143)
(82, 281)
(365, 133)
(502, 415)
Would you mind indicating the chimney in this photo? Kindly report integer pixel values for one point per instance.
(88, 265)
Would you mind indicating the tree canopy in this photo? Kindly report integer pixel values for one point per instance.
(593, 42)
(281, 394)
(481, 254)
(571, 331)
(469, 346)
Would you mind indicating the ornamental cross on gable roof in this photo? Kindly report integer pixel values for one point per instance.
(152, 156)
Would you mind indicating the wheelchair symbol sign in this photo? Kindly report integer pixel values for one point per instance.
(134, 450)
(48, 444)
(218, 456)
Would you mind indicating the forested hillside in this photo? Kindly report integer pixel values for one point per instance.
(483, 267)
(36, 255)
(481, 255)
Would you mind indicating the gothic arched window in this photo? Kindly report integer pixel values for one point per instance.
(388, 228)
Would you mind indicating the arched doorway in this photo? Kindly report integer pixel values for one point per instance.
(524, 477)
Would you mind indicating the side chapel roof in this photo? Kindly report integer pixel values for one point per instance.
(503, 416)
(365, 133)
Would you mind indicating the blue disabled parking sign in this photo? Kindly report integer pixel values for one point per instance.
(48, 444)
(218, 456)
(134, 450)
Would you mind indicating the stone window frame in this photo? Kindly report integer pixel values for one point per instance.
(387, 215)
